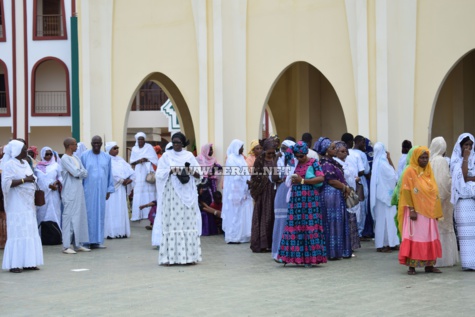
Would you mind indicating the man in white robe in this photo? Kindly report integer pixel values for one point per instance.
(406, 146)
(117, 223)
(74, 217)
(97, 189)
(143, 159)
(360, 148)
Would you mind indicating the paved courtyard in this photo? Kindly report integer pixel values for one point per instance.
(125, 280)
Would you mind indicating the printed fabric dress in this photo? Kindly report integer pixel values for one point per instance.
(337, 219)
(303, 241)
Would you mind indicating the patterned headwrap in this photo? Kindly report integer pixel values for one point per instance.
(322, 145)
(340, 144)
(300, 148)
(269, 143)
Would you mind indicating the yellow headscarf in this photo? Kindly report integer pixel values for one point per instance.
(254, 143)
(419, 189)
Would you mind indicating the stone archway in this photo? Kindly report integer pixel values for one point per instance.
(301, 100)
(151, 120)
(453, 110)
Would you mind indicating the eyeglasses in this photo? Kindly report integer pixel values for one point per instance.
(176, 142)
(115, 148)
(299, 156)
(48, 154)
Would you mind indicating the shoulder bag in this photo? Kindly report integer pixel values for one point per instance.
(39, 196)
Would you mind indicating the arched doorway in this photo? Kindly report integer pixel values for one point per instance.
(158, 109)
(454, 106)
(303, 100)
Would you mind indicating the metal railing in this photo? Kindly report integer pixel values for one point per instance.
(51, 102)
(149, 100)
(3, 102)
(49, 25)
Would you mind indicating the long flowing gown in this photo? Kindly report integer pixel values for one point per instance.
(263, 215)
(303, 240)
(177, 225)
(144, 192)
(383, 182)
(3, 218)
(463, 198)
(23, 247)
(96, 186)
(335, 215)
(440, 167)
(237, 201)
(280, 217)
(74, 218)
(51, 211)
(116, 223)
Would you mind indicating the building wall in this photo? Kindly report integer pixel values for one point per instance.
(224, 61)
(50, 136)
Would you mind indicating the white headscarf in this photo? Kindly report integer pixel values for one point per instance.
(169, 146)
(460, 188)
(281, 160)
(440, 167)
(110, 145)
(138, 135)
(12, 150)
(146, 151)
(235, 187)
(234, 158)
(383, 178)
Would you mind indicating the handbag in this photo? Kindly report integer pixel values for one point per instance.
(39, 196)
(150, 178)
(183, 177)
(352, 199)
(360, 191)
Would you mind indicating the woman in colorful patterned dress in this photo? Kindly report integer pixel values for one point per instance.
(303, 241)
(418, 211)
(334, 192)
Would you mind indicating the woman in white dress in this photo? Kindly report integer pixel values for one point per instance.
(462, 169)
(116, 221)
(23, 250)
(143, 159)
(48, 174)
(177, 225)
(237, 200)
(383, 181)
(440, 167)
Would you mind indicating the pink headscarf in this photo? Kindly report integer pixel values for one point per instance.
(204, 159)
(43, 163)
(35, 151)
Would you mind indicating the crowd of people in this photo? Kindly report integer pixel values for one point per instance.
(304, 203)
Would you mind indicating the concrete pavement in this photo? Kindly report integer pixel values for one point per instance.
(125, 280)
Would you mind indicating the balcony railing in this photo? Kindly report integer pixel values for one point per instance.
(49, 25)
(51, 102)
(149, 100)
(3, 102)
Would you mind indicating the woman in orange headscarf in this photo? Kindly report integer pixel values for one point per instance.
(418, 211)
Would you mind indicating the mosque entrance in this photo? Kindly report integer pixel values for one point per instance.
(453, 111)
(158, 109)
(303, 100)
